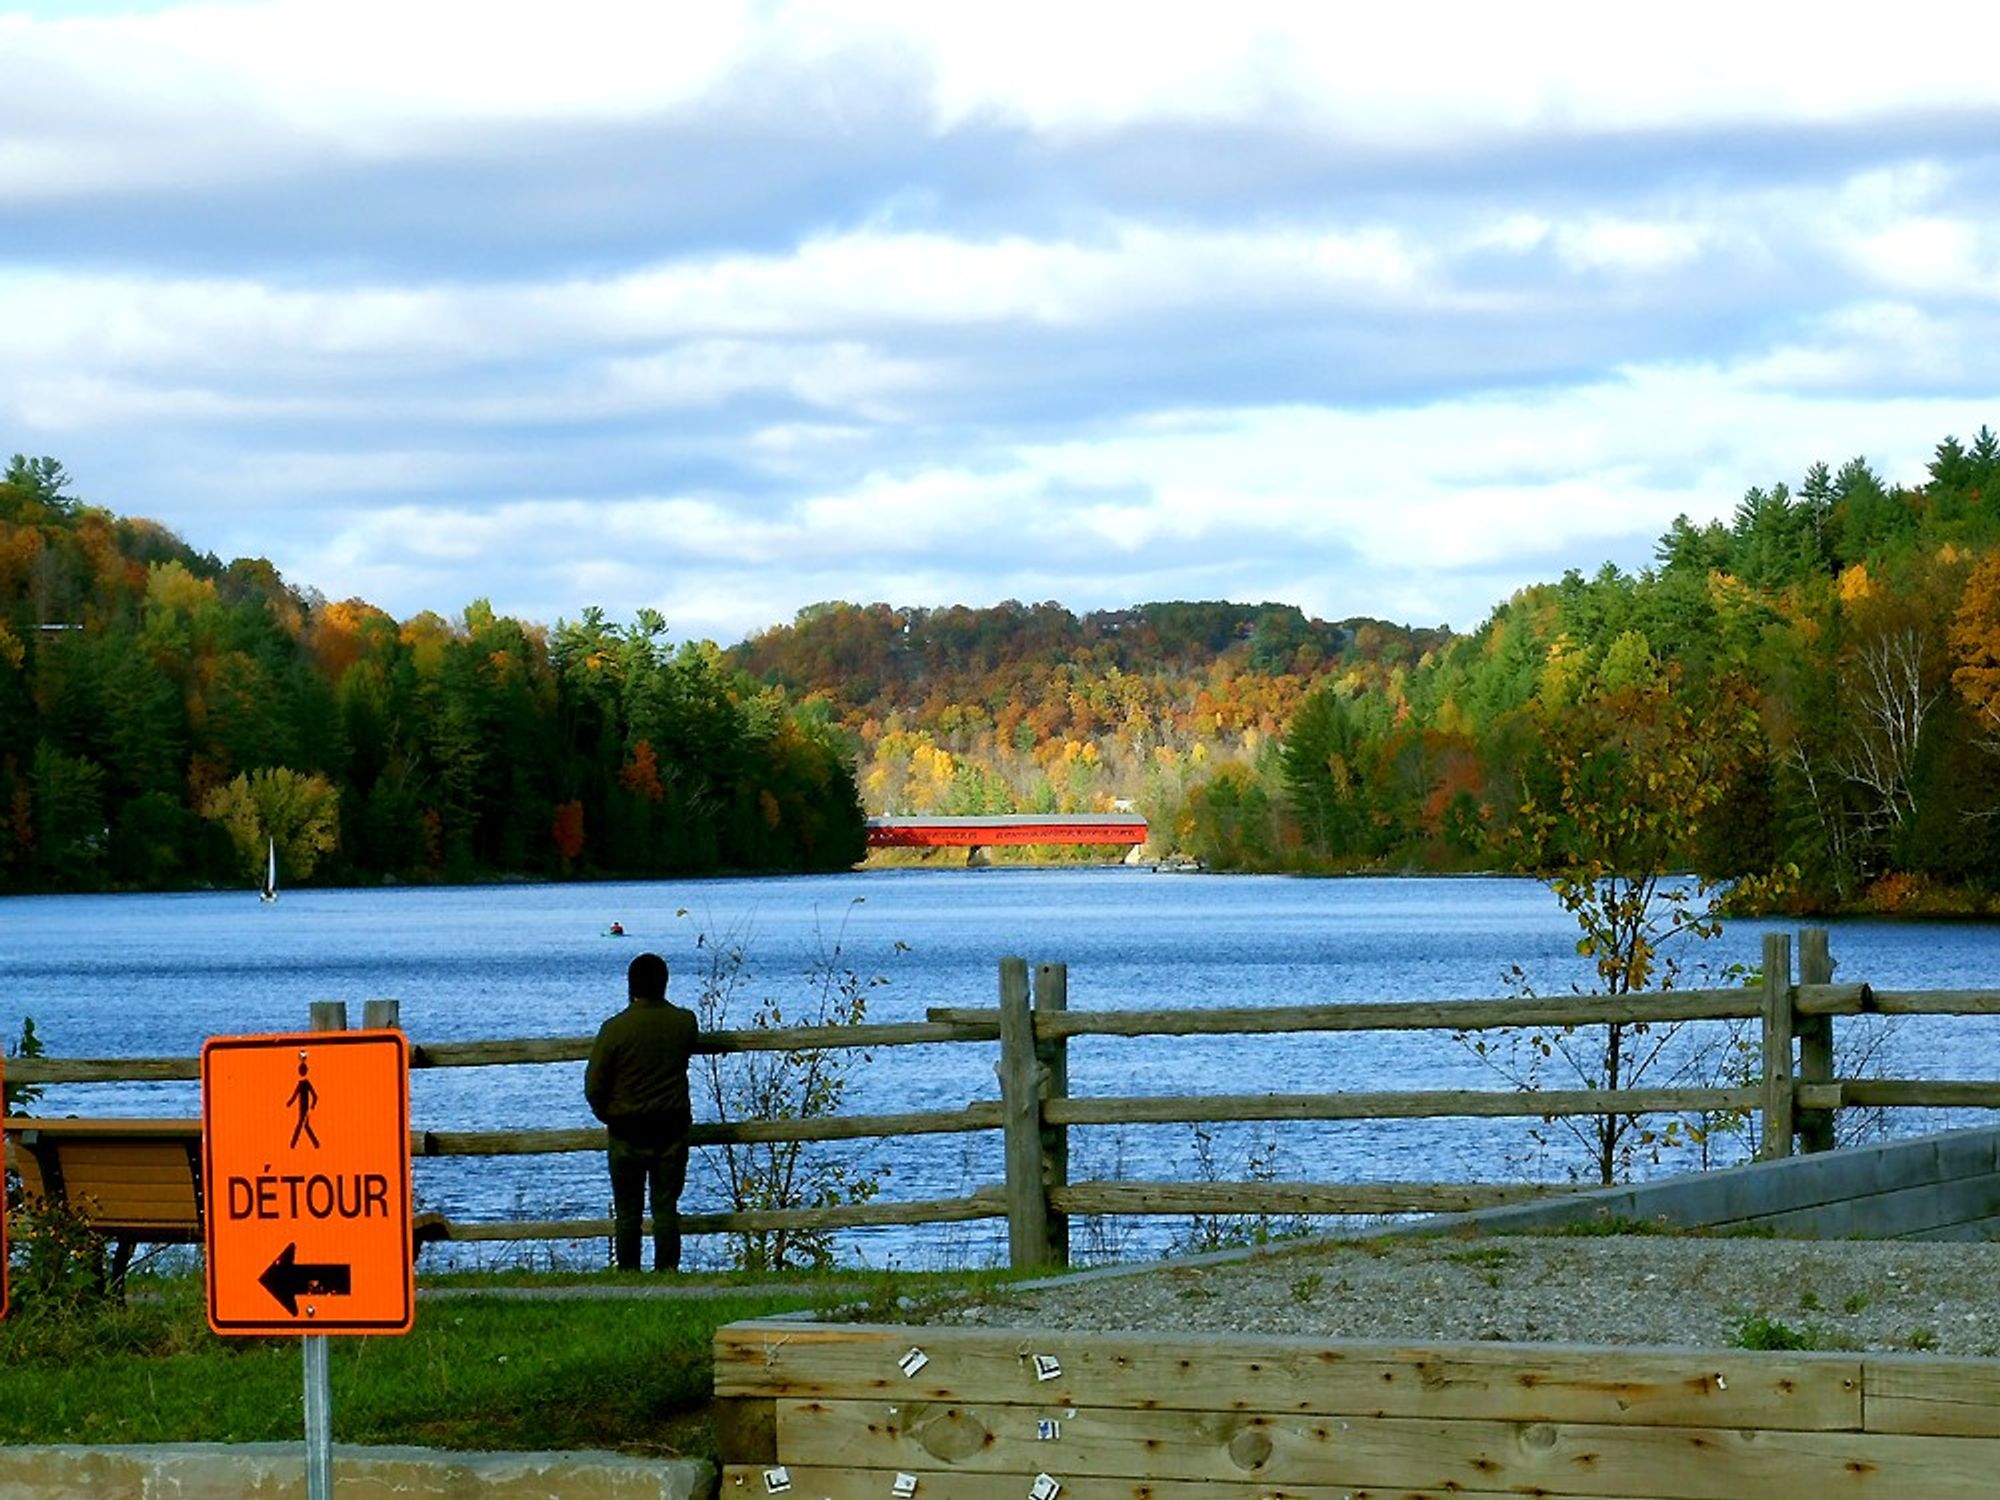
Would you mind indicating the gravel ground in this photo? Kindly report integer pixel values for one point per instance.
(1623, 1289)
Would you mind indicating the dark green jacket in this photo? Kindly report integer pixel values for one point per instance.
(637, 1077)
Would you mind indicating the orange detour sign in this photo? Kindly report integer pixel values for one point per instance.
(306, 1179)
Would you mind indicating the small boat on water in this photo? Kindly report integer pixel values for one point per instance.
(270, 891)
(1179, 864)
(616, 929)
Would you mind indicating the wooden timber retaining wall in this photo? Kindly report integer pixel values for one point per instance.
(846, 1412)
(1795, 1097)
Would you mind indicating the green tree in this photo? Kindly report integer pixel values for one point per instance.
(70, 834)
(1322, 766)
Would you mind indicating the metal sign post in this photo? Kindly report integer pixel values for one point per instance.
(319, 1420)
(306, 1178)
(312, 1346)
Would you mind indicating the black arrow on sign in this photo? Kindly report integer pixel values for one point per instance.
(288, 1281)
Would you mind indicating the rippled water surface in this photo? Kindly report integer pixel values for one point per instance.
(154, 975)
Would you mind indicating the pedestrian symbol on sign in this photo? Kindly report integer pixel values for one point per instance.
(305, 1096)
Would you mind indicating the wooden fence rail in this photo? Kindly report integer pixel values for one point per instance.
(1796, 1097)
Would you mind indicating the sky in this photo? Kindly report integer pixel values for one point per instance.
(729, 308)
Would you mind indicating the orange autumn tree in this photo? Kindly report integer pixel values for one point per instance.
(567, 830)
(641, 774)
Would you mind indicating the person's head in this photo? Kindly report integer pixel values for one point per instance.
(647, 978)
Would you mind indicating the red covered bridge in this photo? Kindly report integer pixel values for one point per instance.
(926, 832)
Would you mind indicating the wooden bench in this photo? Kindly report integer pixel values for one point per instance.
(132, 1181)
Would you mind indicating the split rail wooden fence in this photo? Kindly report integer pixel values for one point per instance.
(1796, 1097)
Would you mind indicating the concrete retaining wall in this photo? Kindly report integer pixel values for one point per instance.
(1936, 1187)
(276, 1471)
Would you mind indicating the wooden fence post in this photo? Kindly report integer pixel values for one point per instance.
(1052, 1067)
(1778, 1096)
(1021, 1122)
(382, 1015)
(1815, 1039)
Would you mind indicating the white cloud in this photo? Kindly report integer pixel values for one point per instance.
(1425, 513)
(1934, 254)
(1631, 245)
(730, 307)
(146, 98)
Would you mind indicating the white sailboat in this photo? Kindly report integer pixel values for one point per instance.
(270, 891)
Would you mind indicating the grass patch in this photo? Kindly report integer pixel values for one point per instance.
(1482, 1255)
(628, 1373)
(1606, 1225)
(1760, 1332)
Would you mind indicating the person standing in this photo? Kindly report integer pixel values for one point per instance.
(636, 1082)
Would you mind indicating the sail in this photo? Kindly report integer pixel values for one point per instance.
(270, 891)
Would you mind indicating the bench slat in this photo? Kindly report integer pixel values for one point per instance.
(83, 1129)
(114, 1198)
(135, 1166)
(130, 1164)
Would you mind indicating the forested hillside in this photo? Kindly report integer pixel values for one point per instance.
(1030, 708)
(1817, 680)
(162, 714)
(1823, 673)
(1812, 687)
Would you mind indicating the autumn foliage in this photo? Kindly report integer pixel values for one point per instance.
(1846, 634)
(164, 715)
(1828, 655)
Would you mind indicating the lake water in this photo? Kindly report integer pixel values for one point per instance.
(155, 975)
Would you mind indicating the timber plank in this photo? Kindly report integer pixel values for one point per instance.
(1932, 1395)
(70, 1128)
(873, 1484)
(127, 1181)
(1630, 1463)
(1175, 1109)
(123, 1174)
(142, 1225)
(109, 1214)
(1133, 1197)
(1219, 1372)
(1368, 1015)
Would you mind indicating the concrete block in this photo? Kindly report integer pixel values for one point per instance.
(1976, 1232)
(276, 1471)
(1862, 1191)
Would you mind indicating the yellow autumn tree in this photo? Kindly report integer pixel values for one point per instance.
(1975, 641)
(300, 813)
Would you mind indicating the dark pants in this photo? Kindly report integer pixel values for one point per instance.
(634, 1169)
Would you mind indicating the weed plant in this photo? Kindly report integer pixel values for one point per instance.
(1760, 1332)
